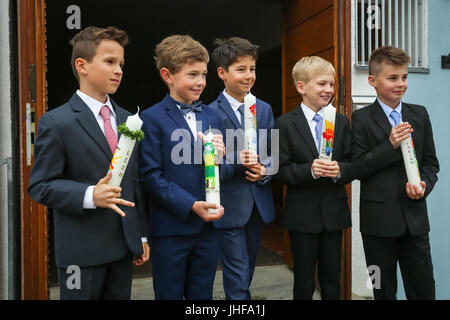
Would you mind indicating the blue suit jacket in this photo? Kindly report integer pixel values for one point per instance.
(238, 195)
(171, 167)
(71, 153)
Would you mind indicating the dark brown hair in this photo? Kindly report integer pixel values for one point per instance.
(86, 42)
(228, 50)
(389, 55)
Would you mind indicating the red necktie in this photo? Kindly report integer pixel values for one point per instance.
(111, 136)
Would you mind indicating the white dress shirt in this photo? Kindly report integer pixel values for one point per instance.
(95, 106)
(234, 105)
(387, 110)
(309, 114)
(191, 121)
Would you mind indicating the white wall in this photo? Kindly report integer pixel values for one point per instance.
(5, 142)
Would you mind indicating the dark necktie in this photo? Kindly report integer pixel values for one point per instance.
(186, 108)
(241, 111)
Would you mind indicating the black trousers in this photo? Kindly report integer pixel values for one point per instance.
(110, 281)
(414, 257)
(324, 248)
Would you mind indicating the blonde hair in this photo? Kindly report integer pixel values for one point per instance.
(309, 67)
(175, 51)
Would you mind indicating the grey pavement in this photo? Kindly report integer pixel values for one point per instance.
(269, 283)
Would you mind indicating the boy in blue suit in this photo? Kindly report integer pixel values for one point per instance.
(75, 145)
(184, 241)
(245, 185)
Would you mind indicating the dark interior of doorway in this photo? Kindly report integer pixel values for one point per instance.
(147, 23)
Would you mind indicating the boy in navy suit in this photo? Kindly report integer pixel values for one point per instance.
(394, 220)
(95, 230)
(316, 210)
(245, 185)
(184, 241)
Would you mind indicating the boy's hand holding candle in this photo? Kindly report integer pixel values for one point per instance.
(325, 168)
(211, 210)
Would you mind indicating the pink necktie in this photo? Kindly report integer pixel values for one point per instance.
(111, 136)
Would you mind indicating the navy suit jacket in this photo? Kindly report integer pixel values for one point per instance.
(71, 153)
(385, 208)
(171, 167)
(238, 195)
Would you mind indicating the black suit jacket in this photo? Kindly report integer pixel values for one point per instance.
(71, 153)
(385, 209)
(313, 205)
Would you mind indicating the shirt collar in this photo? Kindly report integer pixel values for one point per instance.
(387, 110)
(233, 102)
(96, 105)
(309, 114)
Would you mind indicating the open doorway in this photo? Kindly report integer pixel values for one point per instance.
(147, 23)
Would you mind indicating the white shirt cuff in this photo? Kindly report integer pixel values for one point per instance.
(88, 201)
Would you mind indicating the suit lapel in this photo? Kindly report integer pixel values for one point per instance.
(380, 118)
(175, 114)
(226, 107)
(202, 119)
(302, 126)
(87, 121)
(121, 115)
(407, 116)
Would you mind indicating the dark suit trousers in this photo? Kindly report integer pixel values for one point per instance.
(238, 252)
(184, 267)
(110, 281)
(414, 257)
(325, 249)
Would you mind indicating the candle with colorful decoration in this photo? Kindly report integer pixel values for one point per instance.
(250, 137)
(212, 178)
(124, 150)
(329, 119)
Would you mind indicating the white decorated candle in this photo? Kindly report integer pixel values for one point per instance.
(328, 123)
(410, 160)
(124, 150)
(250, 137)
(212, 179)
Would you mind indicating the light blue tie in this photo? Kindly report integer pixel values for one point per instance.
(396, 117)
(318, 119)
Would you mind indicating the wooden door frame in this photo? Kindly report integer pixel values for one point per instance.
(344, 25)
(32, 91)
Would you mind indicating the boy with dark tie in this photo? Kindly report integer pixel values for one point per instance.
(245, 185)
